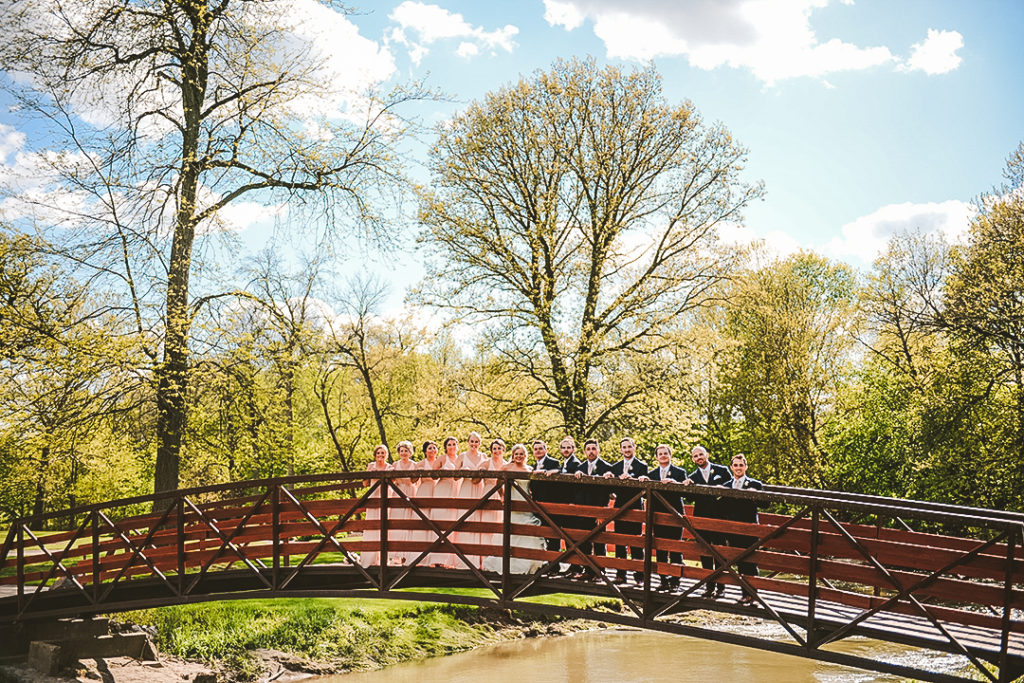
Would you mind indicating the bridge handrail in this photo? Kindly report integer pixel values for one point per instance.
(862, 503)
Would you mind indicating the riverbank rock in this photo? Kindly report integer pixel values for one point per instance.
(115, 670)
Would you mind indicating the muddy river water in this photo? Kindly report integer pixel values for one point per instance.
(625, 656)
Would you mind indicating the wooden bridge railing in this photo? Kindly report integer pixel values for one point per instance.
(838, 565)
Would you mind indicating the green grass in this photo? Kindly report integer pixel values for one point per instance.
(340, 634)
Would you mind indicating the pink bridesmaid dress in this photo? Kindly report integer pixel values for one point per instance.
(371, 558)
(408, 487)
(444, 516)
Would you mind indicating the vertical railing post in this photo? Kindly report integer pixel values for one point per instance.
(879, 519)
(812, 581)
(648, 548)
(180, 545)
(21, 566)
(96, 555)
(1004, 641)
(383, 557)
(275, 530)
(506, 538)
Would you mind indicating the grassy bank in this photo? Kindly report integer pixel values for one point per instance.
(335, 635)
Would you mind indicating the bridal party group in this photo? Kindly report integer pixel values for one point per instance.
(422, 487)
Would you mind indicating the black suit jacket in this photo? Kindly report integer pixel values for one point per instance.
(741, 510)
(637, 468)
(593, 495)
(549, 491)
(708, 506)
(571, 464)
(677, 474)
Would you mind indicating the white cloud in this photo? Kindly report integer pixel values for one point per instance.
(563, 14)
(431, 23)
(239, 215)
(32, 191)
(347, 64)
(467, 50)
(865, 237)
(774, 243)
(936, 54)
(11, 141)
(35, 190)
(772, 39)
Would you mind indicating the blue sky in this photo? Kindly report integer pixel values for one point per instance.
(862, 118)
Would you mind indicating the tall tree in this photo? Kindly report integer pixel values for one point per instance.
(575, 213)
(789, 323)
(173, 110)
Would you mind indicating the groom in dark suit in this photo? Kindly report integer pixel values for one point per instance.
(630, 467)
(597, 496)
(546, 491)
(666, 471)
(708, 474)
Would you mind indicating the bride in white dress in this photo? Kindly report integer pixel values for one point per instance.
(471, 490)
(519, 565)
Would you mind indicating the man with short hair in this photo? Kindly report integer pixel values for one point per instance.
(708, 474)
(742, 510)
(566, 493)
(593, 466)
(665, 471)
(630, 467)
(570, 462)
(545, 491)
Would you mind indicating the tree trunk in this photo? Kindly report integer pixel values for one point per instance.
(172, 374)
(39, 502)
(378, 418)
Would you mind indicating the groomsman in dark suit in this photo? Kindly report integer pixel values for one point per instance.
(567, 493)
(546, 491)
(593, 466)
(666, 471)
(742, 511)
(630, 467)
(708, 474)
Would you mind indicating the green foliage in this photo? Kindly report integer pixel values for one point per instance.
(788, 343)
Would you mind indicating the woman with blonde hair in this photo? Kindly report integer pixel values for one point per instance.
(371, 534)
(471, 489)
(492, 464)
(399, 512)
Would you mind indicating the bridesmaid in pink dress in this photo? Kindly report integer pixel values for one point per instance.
(471, 489)
(408, 487)
(371, 558)
(494, 463)
(425, 493)
(449, 488)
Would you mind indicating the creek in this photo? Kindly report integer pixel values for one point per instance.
(628, 656)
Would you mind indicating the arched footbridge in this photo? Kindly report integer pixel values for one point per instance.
(831, 565)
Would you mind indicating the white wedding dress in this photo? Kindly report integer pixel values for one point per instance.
(519, 565)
